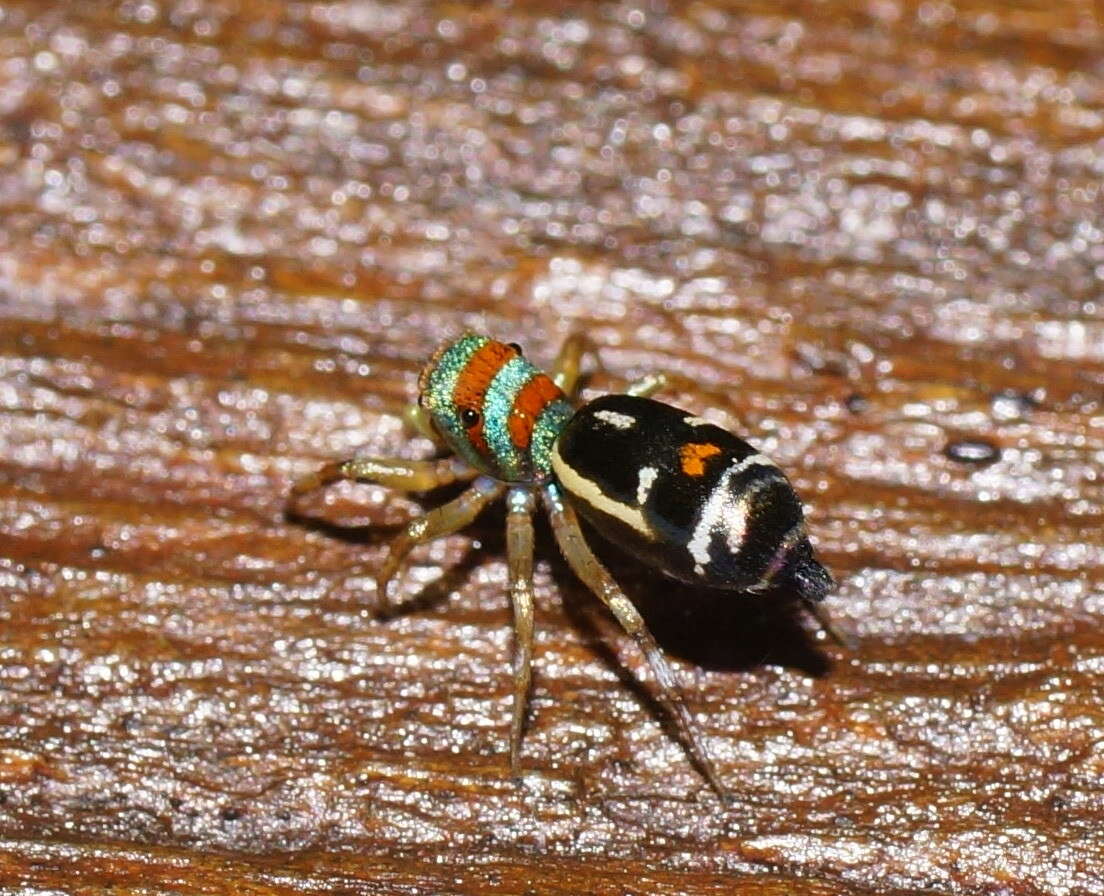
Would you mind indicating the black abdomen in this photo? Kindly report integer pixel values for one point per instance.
(692, 499)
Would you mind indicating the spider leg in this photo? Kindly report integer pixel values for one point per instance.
(565, 526)
(647, 386)
(824, 620)
(418, 419)
(404, 475)
(568, 363)
(436, 523)
(519, 549)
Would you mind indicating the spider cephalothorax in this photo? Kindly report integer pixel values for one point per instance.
(493, 408)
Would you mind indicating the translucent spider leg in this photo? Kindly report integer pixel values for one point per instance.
(418, 419)
(565, 527)
(519, 551)
(569, 362)
(436, 523)
(403, 475)
(647, 386)
(824, 620)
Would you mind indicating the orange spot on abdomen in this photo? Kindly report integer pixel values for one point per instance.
(693, 456)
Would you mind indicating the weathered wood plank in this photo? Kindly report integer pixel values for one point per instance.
(858, 234)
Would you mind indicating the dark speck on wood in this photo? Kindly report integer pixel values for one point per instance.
(972, 451)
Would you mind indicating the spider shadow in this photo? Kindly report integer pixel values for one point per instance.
(726, 631)
(714, 629)
(717, 630)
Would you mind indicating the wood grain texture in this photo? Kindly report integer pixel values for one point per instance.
(862, 235)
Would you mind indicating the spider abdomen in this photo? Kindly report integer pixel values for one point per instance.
(687, 496)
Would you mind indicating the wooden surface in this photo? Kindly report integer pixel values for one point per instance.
(868, 236)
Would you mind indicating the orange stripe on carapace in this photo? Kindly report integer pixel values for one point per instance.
(693, 456)
(534, 396)
(471, 385)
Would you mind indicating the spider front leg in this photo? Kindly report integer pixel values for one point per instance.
(565, 527)
(402, 475)
(519, 552)
(437, 523)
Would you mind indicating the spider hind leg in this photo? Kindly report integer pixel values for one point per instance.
(519, 548)
(565, 527)
(567, 369)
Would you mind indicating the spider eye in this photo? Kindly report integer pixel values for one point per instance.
(515, 347)
(469, 416)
